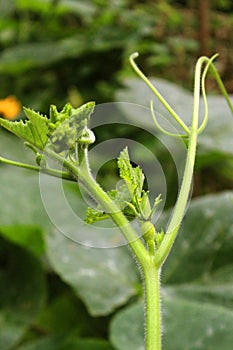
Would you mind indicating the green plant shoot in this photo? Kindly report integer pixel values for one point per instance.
(65, 137)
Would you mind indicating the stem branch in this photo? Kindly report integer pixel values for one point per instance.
(46, 170)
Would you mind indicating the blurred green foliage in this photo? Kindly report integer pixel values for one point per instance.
(53, 51)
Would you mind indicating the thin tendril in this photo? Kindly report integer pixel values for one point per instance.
(160, 127)
(221, 87)
(157, 94)
(208, 66)
(203, 90)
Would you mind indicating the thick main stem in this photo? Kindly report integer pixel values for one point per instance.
(152, 307)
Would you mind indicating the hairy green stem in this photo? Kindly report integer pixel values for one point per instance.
(153, 307)
(181, 203)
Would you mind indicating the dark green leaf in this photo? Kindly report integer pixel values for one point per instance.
(63, 315)
(67, 343)
(22, 292)
(28, 237)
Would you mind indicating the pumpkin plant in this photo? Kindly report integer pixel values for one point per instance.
(65, 137)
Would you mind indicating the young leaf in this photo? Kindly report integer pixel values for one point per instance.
(144, 205)
(65, 127)
(119, 196)
(39, 127)
(93, 215)
(133, 177)
(33, 131)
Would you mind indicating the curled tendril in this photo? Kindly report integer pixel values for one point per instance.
(203, 78)
(158, 95)
(209, 65)
(198, 76)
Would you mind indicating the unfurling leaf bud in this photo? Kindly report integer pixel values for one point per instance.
(41, 160)
(86, 137)
(148, 231)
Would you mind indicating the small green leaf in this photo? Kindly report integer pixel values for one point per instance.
(139, 202)
(159, 238)
(129, 196)
(93, 215)
(39, 127)
(148, 231)
(144, 204)
(134, 177)
(66, 127)
(34, 130)
(121, 196)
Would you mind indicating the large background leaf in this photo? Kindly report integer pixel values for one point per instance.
(13, 148)
(205, 241)
(21, 58)
(103, 278)
(20, 198)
